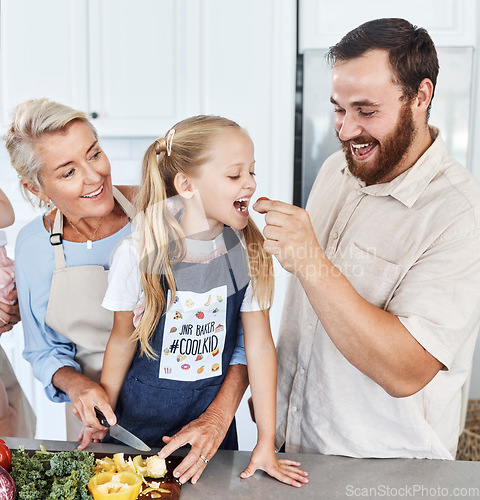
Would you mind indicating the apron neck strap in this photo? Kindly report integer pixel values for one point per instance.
(56, 236)
(126, 205)
(56, 239)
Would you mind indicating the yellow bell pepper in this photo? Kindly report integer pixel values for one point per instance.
(115, 486)
(105, 464)
(152, 466)
(140, 465)
(121, 464)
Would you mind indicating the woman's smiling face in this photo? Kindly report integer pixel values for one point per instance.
(76, 174)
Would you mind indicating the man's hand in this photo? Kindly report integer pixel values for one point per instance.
(9, 313)
(289, 236)
(205, 435)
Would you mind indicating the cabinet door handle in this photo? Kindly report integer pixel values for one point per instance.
(94, 114)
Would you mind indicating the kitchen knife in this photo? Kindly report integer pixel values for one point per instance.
(118, 432)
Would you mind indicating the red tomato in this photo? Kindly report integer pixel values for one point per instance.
(260, 199)
(5, 455)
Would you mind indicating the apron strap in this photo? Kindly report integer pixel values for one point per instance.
(56, 236)
(56, 239)
(126, 205)
(231, 240)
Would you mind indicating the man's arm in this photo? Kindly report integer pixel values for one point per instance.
(371, 339)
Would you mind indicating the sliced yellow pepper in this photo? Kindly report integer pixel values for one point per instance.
(151, 489)
(105, 464)
(140, 465)
(111, 486)
(123, 465)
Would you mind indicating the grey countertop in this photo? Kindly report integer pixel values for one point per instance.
(330, 477)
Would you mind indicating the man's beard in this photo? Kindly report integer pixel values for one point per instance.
(391, 150)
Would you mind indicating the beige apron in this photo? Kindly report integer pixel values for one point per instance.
(75, 309)
(26, 420)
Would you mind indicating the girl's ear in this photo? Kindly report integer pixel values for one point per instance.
(37, 192)
(183, 186)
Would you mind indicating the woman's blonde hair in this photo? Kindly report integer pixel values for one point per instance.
(30, 121)
(162, 242)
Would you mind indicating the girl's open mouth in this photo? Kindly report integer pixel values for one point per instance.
(241, 205)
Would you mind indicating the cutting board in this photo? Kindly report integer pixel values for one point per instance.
(168, 482)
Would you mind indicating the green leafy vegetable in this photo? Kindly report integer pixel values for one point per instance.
(52, 476)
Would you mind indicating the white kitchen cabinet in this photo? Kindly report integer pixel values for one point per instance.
(139, 63)
(124, 62)
(450, 23)
(42, 52)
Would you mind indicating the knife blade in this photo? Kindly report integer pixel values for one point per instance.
(118, 432)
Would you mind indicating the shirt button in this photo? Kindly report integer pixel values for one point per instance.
(294, 408)
(359, 191)
(309, 328)
(302, 370)
(335, 236)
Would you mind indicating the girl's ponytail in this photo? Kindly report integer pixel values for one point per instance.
(161, 240)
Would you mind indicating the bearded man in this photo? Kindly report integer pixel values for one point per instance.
(383, 307)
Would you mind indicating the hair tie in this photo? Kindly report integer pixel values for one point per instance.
(159, 145)
(169, 140)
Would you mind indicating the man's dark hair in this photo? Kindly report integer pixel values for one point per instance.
(412, 53)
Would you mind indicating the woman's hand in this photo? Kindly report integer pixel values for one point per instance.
(85, 395)
(205, 435)
(286, 471)
(84, 400)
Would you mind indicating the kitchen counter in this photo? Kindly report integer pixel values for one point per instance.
(331, 477)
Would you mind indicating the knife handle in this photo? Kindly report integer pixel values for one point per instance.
(101, 418)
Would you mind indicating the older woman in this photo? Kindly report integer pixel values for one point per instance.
(61, 263)
(62, 257)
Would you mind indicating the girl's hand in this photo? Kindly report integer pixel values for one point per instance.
(89, 435)
(286, 471)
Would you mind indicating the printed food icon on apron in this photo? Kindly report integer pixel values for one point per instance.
(194, 335)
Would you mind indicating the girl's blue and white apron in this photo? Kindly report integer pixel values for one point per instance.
(194, 342)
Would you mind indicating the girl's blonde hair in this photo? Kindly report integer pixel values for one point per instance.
(162, 242)
(31, 120)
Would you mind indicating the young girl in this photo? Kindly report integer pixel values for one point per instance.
(199, 262)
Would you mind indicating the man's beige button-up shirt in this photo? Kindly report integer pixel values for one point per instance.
(411, 247)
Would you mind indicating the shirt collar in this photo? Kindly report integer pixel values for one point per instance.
(409, 185)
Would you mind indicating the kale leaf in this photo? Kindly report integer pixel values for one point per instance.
(52, 476)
